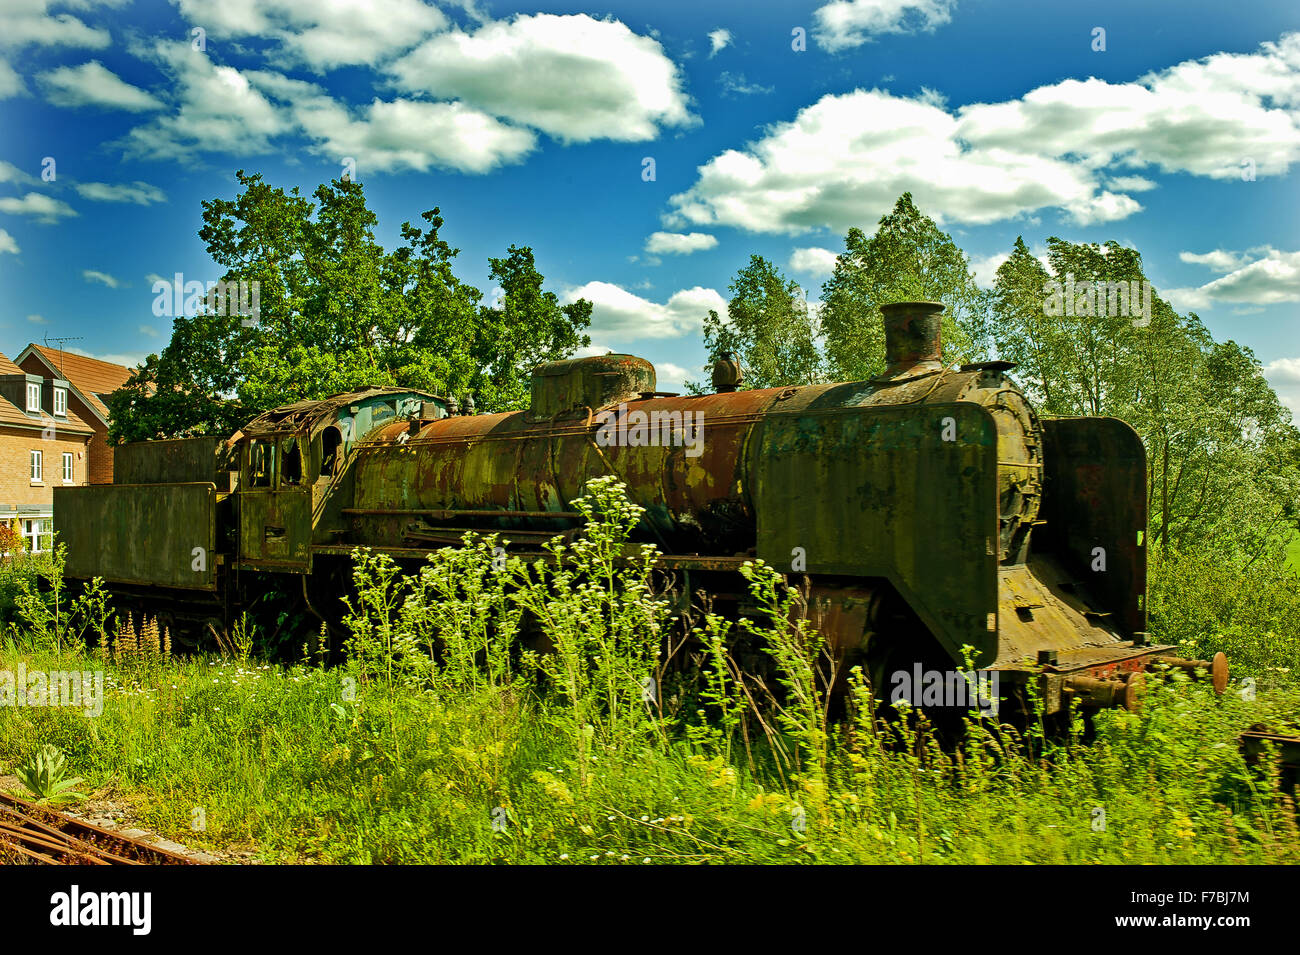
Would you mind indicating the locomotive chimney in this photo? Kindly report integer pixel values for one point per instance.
(913, 338)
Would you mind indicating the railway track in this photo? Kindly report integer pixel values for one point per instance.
(36, 835)
(1260, 736)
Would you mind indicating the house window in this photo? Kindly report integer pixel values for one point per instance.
(61, 401)
(33, 396)
(67, 467)
(33, 532)
(36, 465)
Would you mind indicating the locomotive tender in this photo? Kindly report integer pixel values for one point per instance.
(935, 517)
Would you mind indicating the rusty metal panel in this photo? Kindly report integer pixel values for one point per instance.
(142, 533)
(908, 493)
(1095, 506)
(1044, 607)
(275, 526)
(180, 460)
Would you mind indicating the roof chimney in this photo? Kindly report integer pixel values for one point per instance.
(913, 339)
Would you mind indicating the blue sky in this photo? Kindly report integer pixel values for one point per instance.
(532, 125)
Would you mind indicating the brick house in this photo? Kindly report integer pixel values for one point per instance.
(43, 443)
(89, 382)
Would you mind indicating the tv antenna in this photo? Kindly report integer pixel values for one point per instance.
(61, 341)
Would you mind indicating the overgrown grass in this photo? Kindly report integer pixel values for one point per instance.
(438, 741)
(278, 760)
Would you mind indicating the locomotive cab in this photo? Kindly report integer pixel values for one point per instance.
(292, 460)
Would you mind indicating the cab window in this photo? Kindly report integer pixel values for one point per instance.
(290, 463)
(331, 446)
(261, 463)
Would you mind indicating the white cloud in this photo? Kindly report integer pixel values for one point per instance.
(402, 134)
(11, 84)
(27, 22)
(139, 193)
(617, 313)
(1131, 183)
(667, 373)
(986, 268)
(38, 319)
(1284, 377)
(38, 205)
(11, 173)
(147, 330)
(324, 34)
(843, 160)
(1269, 279)
(843, 24)
(103, 278)
(718, 39)
(572, 77)
(1284, 371)
(1219, 260)
(735, 84)
(677, 243)
(813, 261)
(217, 109)
(480, 96)
(223, 109)
(91, 84)
(8, 243)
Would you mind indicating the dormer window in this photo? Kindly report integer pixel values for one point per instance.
(61, 401)
(33, 396)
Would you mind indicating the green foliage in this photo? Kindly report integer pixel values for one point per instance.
(907, 259)
(34, 603)
(436, 744)
(804, 668)
(603, 620)
(45, 776)
(1223, 458)
(289, 766)
(1205, 604)
(769, 328)
(338, 312)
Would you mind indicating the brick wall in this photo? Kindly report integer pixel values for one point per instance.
(15, 465)
(101, 454)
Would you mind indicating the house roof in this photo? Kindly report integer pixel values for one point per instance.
(11, 414)
(91, 378)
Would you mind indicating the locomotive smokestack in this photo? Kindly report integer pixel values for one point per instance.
(913, 338)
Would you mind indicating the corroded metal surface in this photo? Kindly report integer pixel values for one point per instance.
(1261, 737)
(1095, 511)
(904, 493)
(181, 460)
(933, 489)
(37, 834)
(141, 533)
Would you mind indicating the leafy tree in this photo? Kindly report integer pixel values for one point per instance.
(1221, 451)
(337, 312)
(908, 258)
(769, 329)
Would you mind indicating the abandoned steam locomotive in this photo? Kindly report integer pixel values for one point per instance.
(936, 518)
